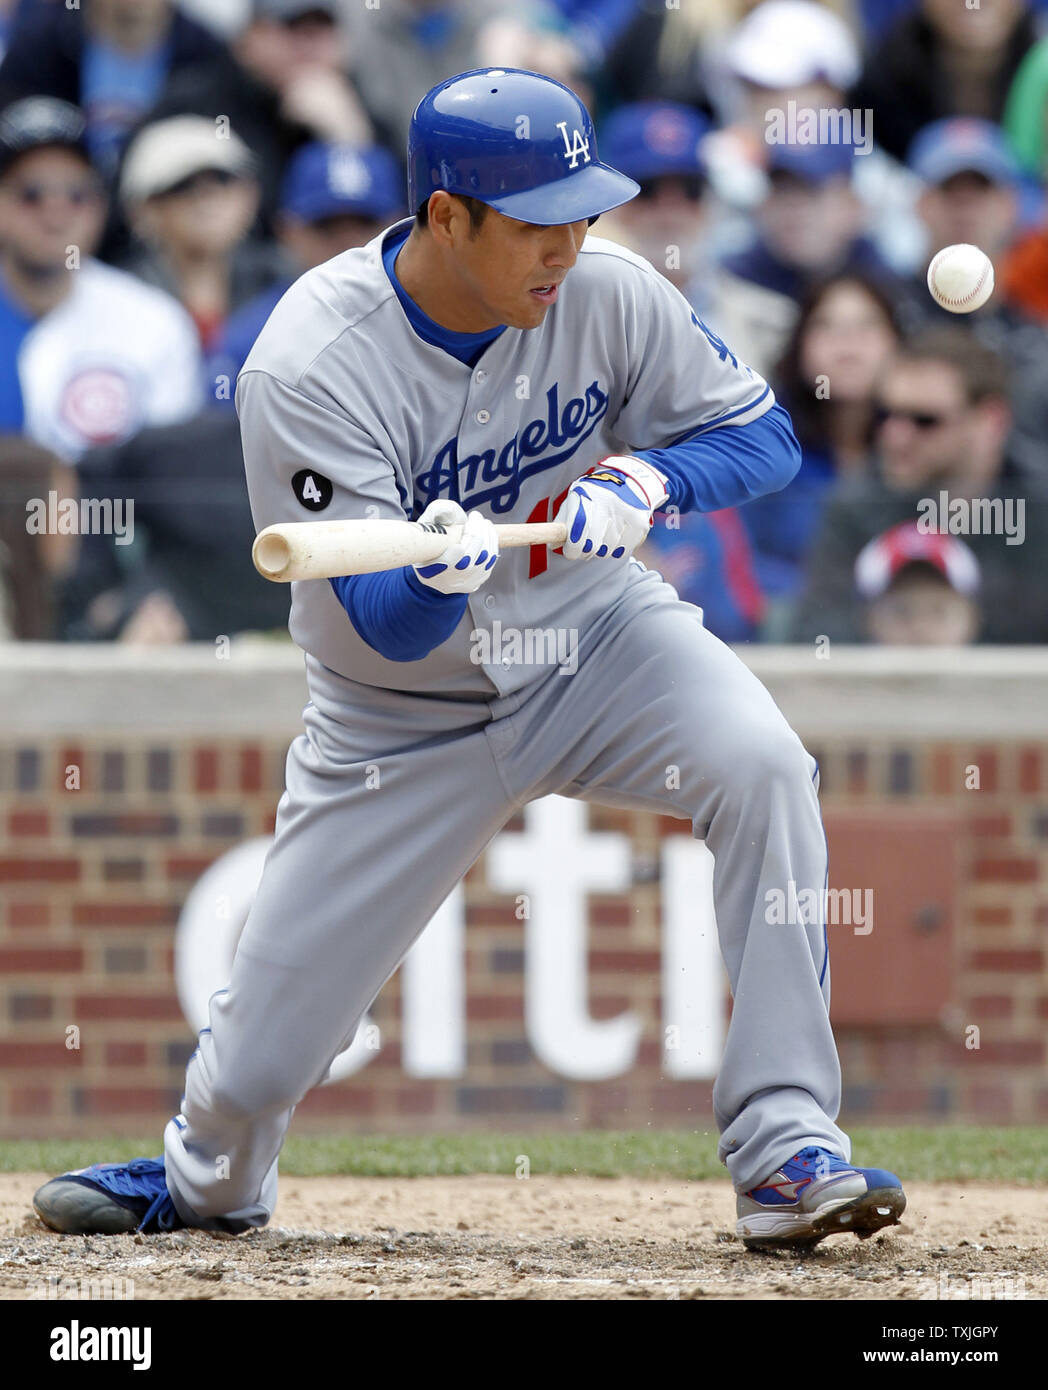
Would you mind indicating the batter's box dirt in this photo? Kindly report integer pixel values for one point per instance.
(541, 1238)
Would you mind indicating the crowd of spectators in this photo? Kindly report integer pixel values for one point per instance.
(167, 170)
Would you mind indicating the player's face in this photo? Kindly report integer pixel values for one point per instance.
(511, 271)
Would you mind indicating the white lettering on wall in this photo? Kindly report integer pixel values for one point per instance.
(555, 863)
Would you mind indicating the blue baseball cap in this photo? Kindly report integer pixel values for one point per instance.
(814, 164)
(962, 145)
(328, 180)
(653, 139)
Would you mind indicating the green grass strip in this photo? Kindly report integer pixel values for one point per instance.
(923, 1154)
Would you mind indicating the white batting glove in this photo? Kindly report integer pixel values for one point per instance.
(465, 564)
(609, 510)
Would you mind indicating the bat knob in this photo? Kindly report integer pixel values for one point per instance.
(271, 554)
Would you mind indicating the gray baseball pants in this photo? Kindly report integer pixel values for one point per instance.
(355, 874)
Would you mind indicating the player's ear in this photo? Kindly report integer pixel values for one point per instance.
(445, 215)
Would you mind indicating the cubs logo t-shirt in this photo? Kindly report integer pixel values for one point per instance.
(112, 358)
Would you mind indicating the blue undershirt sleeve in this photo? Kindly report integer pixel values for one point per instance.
(396, 614)
(729, 465)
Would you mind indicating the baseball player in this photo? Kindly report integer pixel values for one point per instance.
(487, 360)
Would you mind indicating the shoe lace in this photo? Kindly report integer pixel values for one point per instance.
(122, 1178)
(129, 1180)
(161, 1212)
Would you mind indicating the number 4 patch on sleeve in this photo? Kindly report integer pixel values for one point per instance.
(312, 489)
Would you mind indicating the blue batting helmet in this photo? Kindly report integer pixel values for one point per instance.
(518, 141)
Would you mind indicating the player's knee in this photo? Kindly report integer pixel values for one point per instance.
(766, 757)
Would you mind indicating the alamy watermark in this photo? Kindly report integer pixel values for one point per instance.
(80, 1289)
(83, 516)
(79, 1342)
(819, 125)
(528, 646)
(975, 1286)
(973, 516)
(849, 907)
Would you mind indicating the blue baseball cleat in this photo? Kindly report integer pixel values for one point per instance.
(813, 1195)
(108, 1199)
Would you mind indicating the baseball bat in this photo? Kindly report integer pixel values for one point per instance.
(327, 549)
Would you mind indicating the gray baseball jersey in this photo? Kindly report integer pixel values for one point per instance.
(347, 413)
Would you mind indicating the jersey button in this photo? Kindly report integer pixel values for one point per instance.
(480, 376)
(482, 417)
(489, 601)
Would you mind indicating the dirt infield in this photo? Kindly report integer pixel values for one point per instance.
(540, 1238)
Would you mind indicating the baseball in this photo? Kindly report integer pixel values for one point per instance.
(960, 278)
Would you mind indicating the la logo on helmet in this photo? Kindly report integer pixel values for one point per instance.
(573, 148)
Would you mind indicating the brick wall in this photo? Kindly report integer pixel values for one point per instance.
(989, 946)
(103, 841)
(96, 863)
